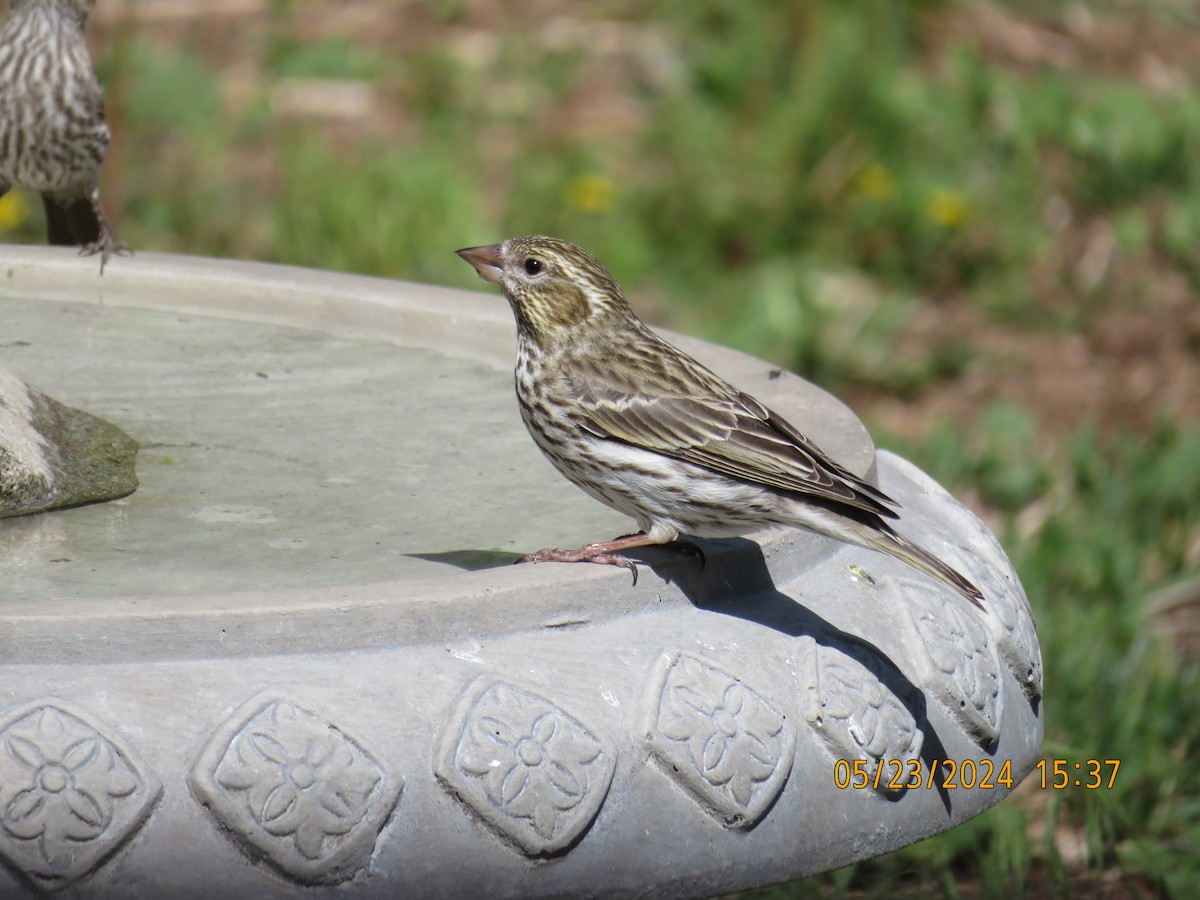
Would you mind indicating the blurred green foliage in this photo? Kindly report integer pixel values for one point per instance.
(775, 143)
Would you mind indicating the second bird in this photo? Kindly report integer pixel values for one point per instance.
(647, 430)
(52, 130)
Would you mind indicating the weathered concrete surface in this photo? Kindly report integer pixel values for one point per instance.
(298, 682)
(53, 456)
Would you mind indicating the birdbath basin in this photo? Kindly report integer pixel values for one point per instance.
(297, 661)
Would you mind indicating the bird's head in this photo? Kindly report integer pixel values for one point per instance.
(554, 287)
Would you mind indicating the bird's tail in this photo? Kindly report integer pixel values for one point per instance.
(921, 559)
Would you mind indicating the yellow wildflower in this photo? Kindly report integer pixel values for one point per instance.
(590, 193)
(875, 182)
(948, 208)
(13, 211)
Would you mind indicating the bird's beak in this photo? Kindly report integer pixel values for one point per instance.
(485, 260)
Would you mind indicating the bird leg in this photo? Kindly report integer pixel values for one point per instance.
(603, 554)
(692, 550)
(596, 553)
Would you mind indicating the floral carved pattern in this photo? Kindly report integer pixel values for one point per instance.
(965, 542)
(975, 550)
(964, 674)
(530, 770)
(726, 745)
(299, 790)
(71, 792)
(858, 715)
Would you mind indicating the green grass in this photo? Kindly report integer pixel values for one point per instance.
(799, 180)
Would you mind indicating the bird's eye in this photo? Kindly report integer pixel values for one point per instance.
(533, 266)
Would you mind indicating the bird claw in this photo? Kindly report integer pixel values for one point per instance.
(107, 246)
(691, 549)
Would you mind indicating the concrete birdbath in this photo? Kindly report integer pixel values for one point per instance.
(296, 662)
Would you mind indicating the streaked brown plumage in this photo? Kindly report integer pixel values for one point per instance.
(649, 431)
(52, 130)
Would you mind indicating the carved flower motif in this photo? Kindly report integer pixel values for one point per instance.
(528, 768)
(1011, 621)
(965, 543)
(532, 771)
(879, 726)
(71, 781)
(300, 780)
(860, 713)
(299, 788)
(965, 675)
(724, 742)
(70, 792)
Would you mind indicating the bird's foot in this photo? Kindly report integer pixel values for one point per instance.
(603, 554)
(106, 245)
(593, 553)
(685, 547)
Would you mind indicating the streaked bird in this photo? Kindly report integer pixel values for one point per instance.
(52, 130)
(647, 430)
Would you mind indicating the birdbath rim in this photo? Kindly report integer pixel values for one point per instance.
(359, 615)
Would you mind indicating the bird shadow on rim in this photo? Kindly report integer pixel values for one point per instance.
(469, 560)
(735, 581)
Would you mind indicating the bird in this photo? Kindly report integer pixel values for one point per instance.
(53, 135)
(649, 431)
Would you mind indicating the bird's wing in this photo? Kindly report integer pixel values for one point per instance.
(733, 434)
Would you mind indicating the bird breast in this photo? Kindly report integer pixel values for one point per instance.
(52, 130)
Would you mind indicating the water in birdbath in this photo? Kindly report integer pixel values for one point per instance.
(277, 457)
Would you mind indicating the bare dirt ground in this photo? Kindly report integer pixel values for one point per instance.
(1130, 366)
(1136, 355)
